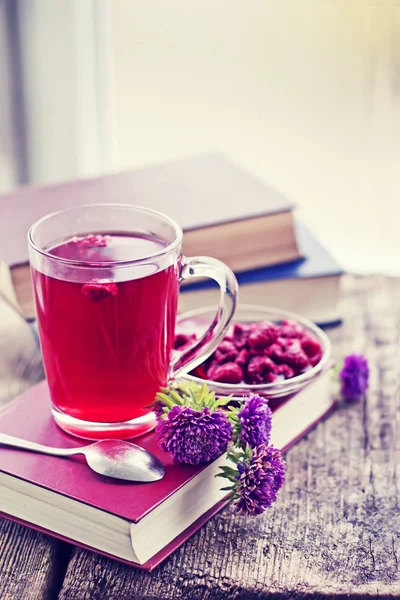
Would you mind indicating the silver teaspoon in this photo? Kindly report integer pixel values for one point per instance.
(113, 458)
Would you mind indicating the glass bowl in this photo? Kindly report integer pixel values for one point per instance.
(196, 321)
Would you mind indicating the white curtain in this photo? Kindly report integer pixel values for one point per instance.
(65, 87)
(9, 161)
(304, 93)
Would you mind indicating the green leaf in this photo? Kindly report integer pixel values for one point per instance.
(210, 398)
(233, 418)
(204, 390)
(224, 401)
(247, 452)
(212, 406)
(228, 469)
(234, 458)
(160, 396)
(228, 488)
(165, 400)
(186, 387)
(193, 397)
(176, 398)
(233, 495)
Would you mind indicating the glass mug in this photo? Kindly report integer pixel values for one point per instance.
(106, 281)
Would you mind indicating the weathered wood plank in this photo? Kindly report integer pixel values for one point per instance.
(335, 530)
(32, 565)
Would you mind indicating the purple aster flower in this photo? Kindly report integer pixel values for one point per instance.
(354, 377)
(255, 420)
(193, 436)
(259, 479)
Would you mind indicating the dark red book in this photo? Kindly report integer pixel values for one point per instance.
(140, 524)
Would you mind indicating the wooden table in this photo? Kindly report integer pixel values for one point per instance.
(334, 532)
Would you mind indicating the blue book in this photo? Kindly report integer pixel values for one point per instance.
(309, 286)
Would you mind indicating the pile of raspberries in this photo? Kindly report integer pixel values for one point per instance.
(256, 353)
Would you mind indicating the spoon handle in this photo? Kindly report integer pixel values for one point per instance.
(15, 442)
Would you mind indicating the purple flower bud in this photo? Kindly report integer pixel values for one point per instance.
(354, 377)
(255, 421)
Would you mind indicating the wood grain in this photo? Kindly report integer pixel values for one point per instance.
(32, 565)
(335, 530)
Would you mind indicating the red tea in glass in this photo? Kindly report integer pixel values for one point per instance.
(106, 302)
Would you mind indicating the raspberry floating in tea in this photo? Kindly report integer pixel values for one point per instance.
(92, 240)
(95, 291)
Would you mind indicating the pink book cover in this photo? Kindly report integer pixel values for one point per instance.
(29, 418)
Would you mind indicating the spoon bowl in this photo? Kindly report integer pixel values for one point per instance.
(123, 460)
(112, 458)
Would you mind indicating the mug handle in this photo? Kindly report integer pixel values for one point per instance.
(196, 353)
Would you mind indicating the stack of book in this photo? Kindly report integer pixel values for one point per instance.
(224, 212)
(309, 286)
(137, 523)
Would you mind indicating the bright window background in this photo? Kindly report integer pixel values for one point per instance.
(304, 93)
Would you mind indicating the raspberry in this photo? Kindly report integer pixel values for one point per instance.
(183, 339)
(242, 358)
(291, 329)
(229, 372)
(313, 349)
(96, 291)
(255, 352)
(226, 352)
(262, 351)
(92, 241)
(258, 369)
(284, 343)
(264, 335)
(275, 352)
(284, 370)
(314, 360)
(295, 357)
(240, 335)
(210, 365)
